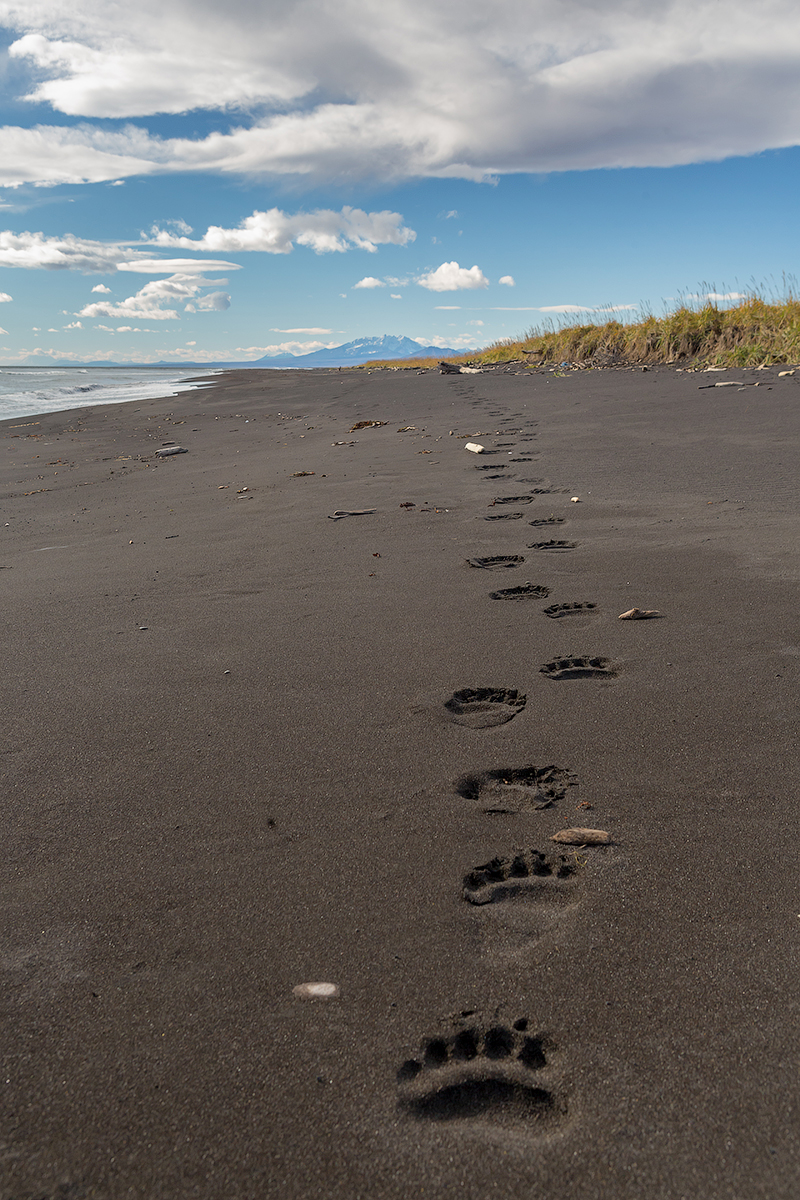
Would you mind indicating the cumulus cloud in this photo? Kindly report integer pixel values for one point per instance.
(276, 232)
(369, 281)
(5, 298)
(101, 287)
(450, 277)
(213, 302)
(348, 91)
(34, 250)
(507, 280)
(158, 299)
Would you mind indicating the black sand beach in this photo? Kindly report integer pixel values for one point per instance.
(230, 769)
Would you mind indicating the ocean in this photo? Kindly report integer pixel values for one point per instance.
(29, 391)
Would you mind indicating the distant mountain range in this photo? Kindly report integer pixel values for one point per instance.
(351, 354)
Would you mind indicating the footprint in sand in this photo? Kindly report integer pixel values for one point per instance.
(522, 898)
(547, 521)
(497, 562)
(525, 591)
(512, 499)
(503, 517)
(481, 1071)
(578, 608)
(579, 668)
(516, 789)
(553, 545)
(534, 873)
(483, 708)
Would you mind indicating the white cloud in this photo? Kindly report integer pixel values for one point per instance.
(153, 302)
(349, 91)
(447, 308)
(450, 277)
(101, 287)
(507, 280)
(565, 308)
(369, 281)
(394, 296)
(275, 232)
(475, 322)
(302, 329)
(289, 348)
(74, 325)
(5, 331)
(34, 250)
(461, 341)
(713, 296)
(118, 183)
(170, 266)
(5, 298)
(213, 302)
(191, 343)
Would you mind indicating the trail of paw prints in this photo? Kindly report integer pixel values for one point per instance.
(516, 789)
(579, 668)
(496, 1073)
(483, 708)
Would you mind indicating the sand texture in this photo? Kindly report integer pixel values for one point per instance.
(247, 747)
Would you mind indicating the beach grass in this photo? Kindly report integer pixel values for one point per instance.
(752, 332)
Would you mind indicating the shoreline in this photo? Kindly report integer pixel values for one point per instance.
(230, 770)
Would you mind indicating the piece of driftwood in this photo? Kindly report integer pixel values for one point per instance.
(582, 837)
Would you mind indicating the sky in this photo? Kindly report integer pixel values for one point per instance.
(190, 181)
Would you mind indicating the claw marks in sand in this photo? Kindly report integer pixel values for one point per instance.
(482, 708)
(526, 591)
(516, 789)
(481, 1072)
(526, 872)
(579, 668)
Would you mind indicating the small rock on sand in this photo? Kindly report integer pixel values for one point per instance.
(316, 991)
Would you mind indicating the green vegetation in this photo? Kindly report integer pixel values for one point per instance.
(750, 333)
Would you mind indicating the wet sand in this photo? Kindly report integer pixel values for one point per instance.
(230, 768)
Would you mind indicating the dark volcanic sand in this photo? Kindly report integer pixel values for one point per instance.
(262, 788)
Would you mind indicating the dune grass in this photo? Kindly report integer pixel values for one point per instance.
(750, 333)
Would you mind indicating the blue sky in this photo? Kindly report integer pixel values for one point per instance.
(201, 182)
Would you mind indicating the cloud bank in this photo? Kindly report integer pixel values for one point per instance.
(275, 232)
(158, 299)
(366, 91)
